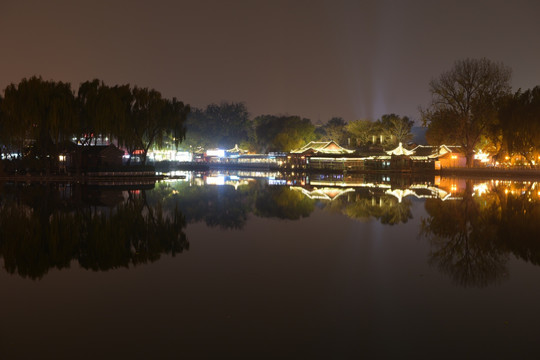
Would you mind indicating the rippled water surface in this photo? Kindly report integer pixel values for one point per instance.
(254, 265)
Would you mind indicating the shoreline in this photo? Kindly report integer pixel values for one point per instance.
(129, 177)
(492, 173)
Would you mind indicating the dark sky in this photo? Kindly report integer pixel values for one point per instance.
(317, 59)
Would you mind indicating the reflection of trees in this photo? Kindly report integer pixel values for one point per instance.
(222, 206)
(362, 206)
(35, 235)
(472, 238)
(519, 226)
(464, 236)
(227, 207)
(283, 203)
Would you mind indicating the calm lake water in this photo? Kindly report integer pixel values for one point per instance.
(256, 265)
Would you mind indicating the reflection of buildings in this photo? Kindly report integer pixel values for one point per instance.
(332, 186)
(325, 193)
(420, 191)
(329, 187)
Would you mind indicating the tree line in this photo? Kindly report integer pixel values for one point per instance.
(38, 116)
(473, 106)
(228, 124)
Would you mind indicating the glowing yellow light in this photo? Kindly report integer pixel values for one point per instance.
(481, 189)
(507, 157)
(454, 157)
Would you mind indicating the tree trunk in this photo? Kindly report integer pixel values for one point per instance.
(470, 160)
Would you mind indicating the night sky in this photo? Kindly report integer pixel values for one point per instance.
(316, 59)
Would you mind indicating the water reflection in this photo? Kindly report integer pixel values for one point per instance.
(473, 236)
(225, 200)
(473, 227)
(463, 236)
(49, 226)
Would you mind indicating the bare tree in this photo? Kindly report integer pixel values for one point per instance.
(465, 100)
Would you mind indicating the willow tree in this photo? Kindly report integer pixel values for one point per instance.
(464, 102)
(103, 110)
(151, 118)
(38, 113)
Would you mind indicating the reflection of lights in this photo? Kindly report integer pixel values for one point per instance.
(326, 193)
(481, 188)
(215, 180)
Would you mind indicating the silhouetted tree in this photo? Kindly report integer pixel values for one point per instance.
(396, 129)
(151, 118)
(464, 102)
(224, 125)
(520, 123)
(336, 129)
(282, 133)
(37, 115)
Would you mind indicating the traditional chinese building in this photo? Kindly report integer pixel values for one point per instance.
(443, 156)
(327, 155)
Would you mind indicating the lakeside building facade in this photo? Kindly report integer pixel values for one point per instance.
(330, 156)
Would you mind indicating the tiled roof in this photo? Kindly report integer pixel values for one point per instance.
(325, 147)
